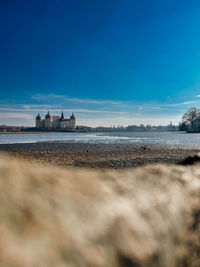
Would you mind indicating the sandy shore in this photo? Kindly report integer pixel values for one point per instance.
(117, 156)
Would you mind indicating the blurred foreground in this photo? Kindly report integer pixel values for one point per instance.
(148, 216)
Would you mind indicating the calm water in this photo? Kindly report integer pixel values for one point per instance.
(166, 138)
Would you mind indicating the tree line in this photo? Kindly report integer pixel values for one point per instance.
(191, 120)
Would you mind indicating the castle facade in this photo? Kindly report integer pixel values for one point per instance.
(55, 122)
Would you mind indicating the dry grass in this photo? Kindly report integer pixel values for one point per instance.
(57, 217)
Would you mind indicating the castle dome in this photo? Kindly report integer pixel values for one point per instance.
(72, 117)
(38, 117)
(48, 116)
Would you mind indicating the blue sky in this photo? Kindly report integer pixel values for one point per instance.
(112, 62)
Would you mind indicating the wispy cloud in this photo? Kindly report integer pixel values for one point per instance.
(140, 108)
(94, 101)
(96, 111)
(45, 96)
(60, 99)
(21, 109)
(15, 115)
(26, 106)
(52, 97)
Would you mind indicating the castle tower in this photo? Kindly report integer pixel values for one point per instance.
(73, 121)
(38, 121)
(47, 123)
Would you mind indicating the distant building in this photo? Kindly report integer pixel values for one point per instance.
(55, 122)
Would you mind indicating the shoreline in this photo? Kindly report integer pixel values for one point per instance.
(22, 132)
(97, 156)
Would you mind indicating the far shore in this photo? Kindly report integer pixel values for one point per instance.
(98, 156)
(42, 132)
(22, 132)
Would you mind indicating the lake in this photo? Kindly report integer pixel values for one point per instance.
(161, 138)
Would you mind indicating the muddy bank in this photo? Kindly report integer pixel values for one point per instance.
(105, 156)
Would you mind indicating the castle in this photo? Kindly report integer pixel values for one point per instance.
(55, 122)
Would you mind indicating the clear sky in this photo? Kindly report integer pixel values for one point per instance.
(110, 61)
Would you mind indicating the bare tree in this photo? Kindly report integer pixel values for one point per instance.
(191, 118)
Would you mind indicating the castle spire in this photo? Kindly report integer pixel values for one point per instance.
(62, 115)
